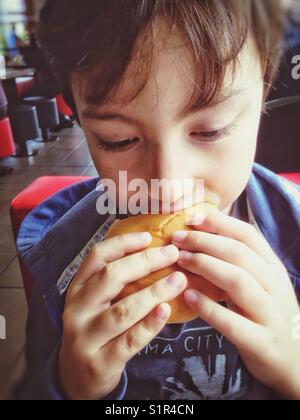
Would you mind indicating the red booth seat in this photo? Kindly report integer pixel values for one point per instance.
(24, 84)
(62, 106)
(292, 177)
(7, 144)
(39, 191)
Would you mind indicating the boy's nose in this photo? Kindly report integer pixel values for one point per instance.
(167, 166)
(167, 161)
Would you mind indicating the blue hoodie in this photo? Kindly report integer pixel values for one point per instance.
(190, 361)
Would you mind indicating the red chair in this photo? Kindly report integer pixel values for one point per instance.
(7, 144)
(24, 85)
(63, 108)
(41, 190)
(292, 177)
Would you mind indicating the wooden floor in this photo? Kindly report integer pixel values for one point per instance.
(67, 156)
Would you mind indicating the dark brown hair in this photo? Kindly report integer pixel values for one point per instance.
(97, 39)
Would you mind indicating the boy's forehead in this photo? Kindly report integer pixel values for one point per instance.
(170, 74)
(172, 78)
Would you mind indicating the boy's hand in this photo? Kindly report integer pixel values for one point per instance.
(99, 339)
(262, 302)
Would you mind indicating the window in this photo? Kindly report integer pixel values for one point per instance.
(12, 25)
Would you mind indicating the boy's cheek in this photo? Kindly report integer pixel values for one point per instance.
(231, 175)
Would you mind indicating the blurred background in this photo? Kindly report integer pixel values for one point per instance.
(41, 145)
(42, 150)
(14, 17)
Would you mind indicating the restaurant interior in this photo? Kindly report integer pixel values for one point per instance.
(43, 150)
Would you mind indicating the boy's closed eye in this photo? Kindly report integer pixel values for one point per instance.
(208, 137)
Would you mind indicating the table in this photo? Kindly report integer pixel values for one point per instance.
(15, 73)
(10, 85)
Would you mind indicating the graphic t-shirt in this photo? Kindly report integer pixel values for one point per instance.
(187, 362)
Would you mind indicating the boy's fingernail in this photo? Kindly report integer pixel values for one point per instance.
(143, 237)
(168, 251)
(185, 256)
(179, 236)
(175, 280)
(195, 221)
(191, 296)
(162, 312)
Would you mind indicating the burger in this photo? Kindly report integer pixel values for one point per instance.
(161, 227)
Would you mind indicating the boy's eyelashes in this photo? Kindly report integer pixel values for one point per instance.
(216, 135)
(203, 136)
(119, 146)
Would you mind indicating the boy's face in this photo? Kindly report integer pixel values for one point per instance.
(216, 144)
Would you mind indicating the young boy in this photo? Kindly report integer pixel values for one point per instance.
(166, 90)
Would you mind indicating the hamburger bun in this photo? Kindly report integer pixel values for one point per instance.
(161, 227)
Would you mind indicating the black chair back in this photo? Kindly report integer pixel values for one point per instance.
(279, 136)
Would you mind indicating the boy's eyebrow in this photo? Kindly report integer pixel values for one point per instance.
(93, 113)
